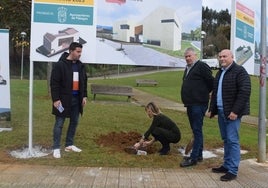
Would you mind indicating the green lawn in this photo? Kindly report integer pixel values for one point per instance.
(170, 84)
(105, 117)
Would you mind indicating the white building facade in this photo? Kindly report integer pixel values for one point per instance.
(161, 28)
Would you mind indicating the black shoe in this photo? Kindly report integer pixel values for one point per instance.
(199, 159)
(228, 177)
(220, 169)
(188, 162)
(164, 150)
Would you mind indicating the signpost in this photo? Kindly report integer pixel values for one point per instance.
(242, 35)
(5, 108)
(55, 24)
(262, 105)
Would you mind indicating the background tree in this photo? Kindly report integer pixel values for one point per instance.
(217, 25)
(15, 15)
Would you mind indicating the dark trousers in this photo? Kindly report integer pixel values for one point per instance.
(196, 116)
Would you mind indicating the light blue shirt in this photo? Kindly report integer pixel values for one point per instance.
(219, 93)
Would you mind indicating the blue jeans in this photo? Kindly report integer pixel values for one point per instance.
(59, 122)
(196, 116)
(230, 135)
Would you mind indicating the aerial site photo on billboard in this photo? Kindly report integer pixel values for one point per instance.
(140, 32)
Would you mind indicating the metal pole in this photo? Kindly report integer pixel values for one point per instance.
(203, 35)
(201, 50)
(262, 105)
(21, 66)
(30, 152)
(23, 35)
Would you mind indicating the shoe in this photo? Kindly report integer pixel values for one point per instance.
(188, 162)
(199, 159)
(220, 169)
(228, 177)
(73, 148)
(164, 150)
(56, 153)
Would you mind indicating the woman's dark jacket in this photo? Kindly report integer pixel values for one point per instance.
(61, 84)
(197, 85)
(236, 88)
(162, 125)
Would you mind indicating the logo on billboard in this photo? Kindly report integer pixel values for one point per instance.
(62, 14)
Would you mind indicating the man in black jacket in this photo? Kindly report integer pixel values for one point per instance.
(230, 100)
(69, 95)
(196, 86)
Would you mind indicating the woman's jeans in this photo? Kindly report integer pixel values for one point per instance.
(57, 131)
(230, 135)
(196, 116)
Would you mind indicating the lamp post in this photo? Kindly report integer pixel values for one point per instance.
(23, 35)
(203, 35)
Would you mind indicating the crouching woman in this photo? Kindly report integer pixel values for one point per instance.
(163, 129)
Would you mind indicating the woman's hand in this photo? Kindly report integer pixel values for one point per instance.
(146, 143)
(137, 145)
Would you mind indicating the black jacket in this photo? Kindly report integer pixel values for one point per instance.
(164, 126)
(61, 84)
(236, 89)
(197, 85)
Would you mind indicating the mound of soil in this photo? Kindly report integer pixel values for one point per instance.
(118, 141)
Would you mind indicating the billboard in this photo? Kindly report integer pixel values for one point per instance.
(5, 109)
(57, 23)
(243, 41)
(144, 32)
(125, 32)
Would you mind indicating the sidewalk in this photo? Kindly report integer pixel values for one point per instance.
(251, 174)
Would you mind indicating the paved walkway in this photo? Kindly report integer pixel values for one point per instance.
(251, 173)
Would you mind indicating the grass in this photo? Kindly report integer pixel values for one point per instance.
(103, 117)
(170, 84)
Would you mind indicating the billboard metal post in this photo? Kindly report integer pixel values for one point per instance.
(30, 152)
(262, 105)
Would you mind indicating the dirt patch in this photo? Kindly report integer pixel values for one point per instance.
(118, 141)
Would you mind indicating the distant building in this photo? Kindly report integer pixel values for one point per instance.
(124, 31)
(161, 28)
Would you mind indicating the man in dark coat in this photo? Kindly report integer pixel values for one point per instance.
(230, 101)
(69, 95)
(196, 86)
